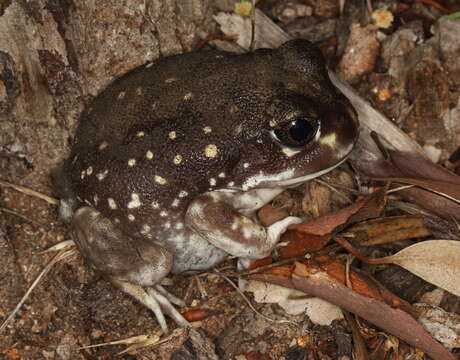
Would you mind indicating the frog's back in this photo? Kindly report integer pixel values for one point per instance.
(175, 87)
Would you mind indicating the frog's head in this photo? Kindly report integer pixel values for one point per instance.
(309, 127)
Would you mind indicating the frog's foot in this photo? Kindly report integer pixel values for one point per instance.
(135, 265)
(157, 299)
(221, 218)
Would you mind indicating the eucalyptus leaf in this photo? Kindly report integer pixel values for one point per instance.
(435, 261)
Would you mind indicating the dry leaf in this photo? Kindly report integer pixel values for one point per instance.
(435, 261)
(370, 207)
(270, 214)
(385, 230)
(294, 302)
(318, 283)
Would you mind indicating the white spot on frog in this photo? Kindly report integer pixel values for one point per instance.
(155, 204)
(210, 150)
(160, 180)
(131, 217)
(89, 171)
(140, 134)
(112, 203)
(221, 175)
(121, 95)
(330, 140)
(135, 201)
(101, 176)
(172, 135)
(139, 91)
(207, 129)
(131, 162)
(288, 151)
(188, 96)
(95, 199)
(149, 65)
(231, 183)
(212, 182)
(103, 145)
(175, 203)
(145, 229)
(177, 159)
(163, 213)
(246, 165)
(83, 174)
(167, 225)
(179, 226)
(149, 155)
(183, 193)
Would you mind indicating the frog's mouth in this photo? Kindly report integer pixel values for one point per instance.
(301, 179)
(288, 177)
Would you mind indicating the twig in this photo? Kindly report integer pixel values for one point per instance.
(245, 298)
(404, 187)
(15, 213)
(30, 192)
(333, 189)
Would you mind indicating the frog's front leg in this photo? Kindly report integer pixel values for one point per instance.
(135, 265)
(226, 219)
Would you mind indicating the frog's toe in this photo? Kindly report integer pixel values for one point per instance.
(146, 299)
(166, 304)
(172, 298)
(155, 299)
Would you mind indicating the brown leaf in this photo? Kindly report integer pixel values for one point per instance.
(395, 321)
(419, 171)
(260, 262)
(300, 243)
(270, 214)
(386, 230)
(364, 209)
(447, 189)
(361, 282)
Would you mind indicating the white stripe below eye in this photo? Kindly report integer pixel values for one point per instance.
(302, 179)
(289, 152)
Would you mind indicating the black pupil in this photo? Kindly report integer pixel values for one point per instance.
(301, 130)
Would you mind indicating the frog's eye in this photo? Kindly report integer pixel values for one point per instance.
(298, 132)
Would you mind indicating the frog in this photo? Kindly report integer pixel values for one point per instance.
(171, 162)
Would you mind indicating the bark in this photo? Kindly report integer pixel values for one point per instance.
(56, 54)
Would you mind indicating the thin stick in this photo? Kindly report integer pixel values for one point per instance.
(15, 213)
(350, 248)
(245, 298)
(30, 192)
(333, 189)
